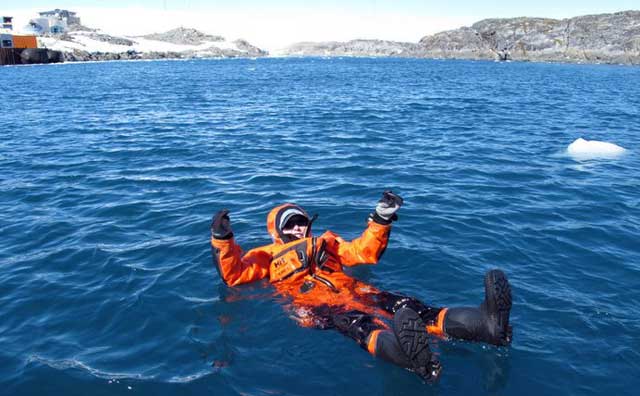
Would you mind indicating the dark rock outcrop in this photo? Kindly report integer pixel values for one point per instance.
(84, 56)
(213, 52)
(604, 38)
(460, 43)
(249, 50)
(183, 36)
(111, 39)
(28, 56)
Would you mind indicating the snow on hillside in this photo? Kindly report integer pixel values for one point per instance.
(180, 42)
(83, 41)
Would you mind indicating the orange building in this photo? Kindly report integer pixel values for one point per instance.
(25, 42)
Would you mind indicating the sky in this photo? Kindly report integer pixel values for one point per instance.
(277, 23)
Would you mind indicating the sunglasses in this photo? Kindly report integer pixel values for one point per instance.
(299, 221)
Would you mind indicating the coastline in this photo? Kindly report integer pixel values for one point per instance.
(602, 39)
(326, 57)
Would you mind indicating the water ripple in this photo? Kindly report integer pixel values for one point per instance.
(107, 190)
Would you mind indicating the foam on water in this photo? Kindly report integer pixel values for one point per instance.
(582, 149)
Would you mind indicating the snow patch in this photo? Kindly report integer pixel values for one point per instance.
(83, 41)
(582, 149)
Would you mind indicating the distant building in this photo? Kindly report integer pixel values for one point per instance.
(56, 22)
(7, 22)
(68, 17)
(6, 41)
(38, 26)
(9, 40)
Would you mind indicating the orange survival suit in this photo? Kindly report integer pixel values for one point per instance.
(293, 269)
(309, 272)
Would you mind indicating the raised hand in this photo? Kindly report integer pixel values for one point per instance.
(386, 208)
(221, 225)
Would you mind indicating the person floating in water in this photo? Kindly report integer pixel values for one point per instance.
(308, 270)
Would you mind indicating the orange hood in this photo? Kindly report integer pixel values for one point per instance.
(278, 217)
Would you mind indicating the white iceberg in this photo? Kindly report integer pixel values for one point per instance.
(582, 149)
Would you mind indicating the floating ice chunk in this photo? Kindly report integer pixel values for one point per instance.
(582, 149)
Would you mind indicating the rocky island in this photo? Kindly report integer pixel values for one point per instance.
(85, 44)
(604, 38)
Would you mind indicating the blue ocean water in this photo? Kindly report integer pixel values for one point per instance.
(110, 172)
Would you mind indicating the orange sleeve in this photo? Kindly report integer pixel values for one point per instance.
(367, 248)
(234, 267)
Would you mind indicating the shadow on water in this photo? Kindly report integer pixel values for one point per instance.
(474, 366)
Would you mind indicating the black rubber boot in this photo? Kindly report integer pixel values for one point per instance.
(488, 323)
(388, 348)
(413, 338)
(356, 325)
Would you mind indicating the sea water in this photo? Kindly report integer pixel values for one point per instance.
(110, 173)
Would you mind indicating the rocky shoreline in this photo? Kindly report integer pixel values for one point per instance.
(249, 51)
(604, 38)
(84, 56)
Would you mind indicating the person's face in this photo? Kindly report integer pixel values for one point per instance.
(296, 227)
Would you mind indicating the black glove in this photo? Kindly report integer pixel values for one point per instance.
(386, 208)
(221, 225)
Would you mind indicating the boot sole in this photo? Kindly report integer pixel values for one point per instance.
(414, 340)
(499, 301)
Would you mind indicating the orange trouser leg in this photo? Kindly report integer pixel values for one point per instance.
(437, 327)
